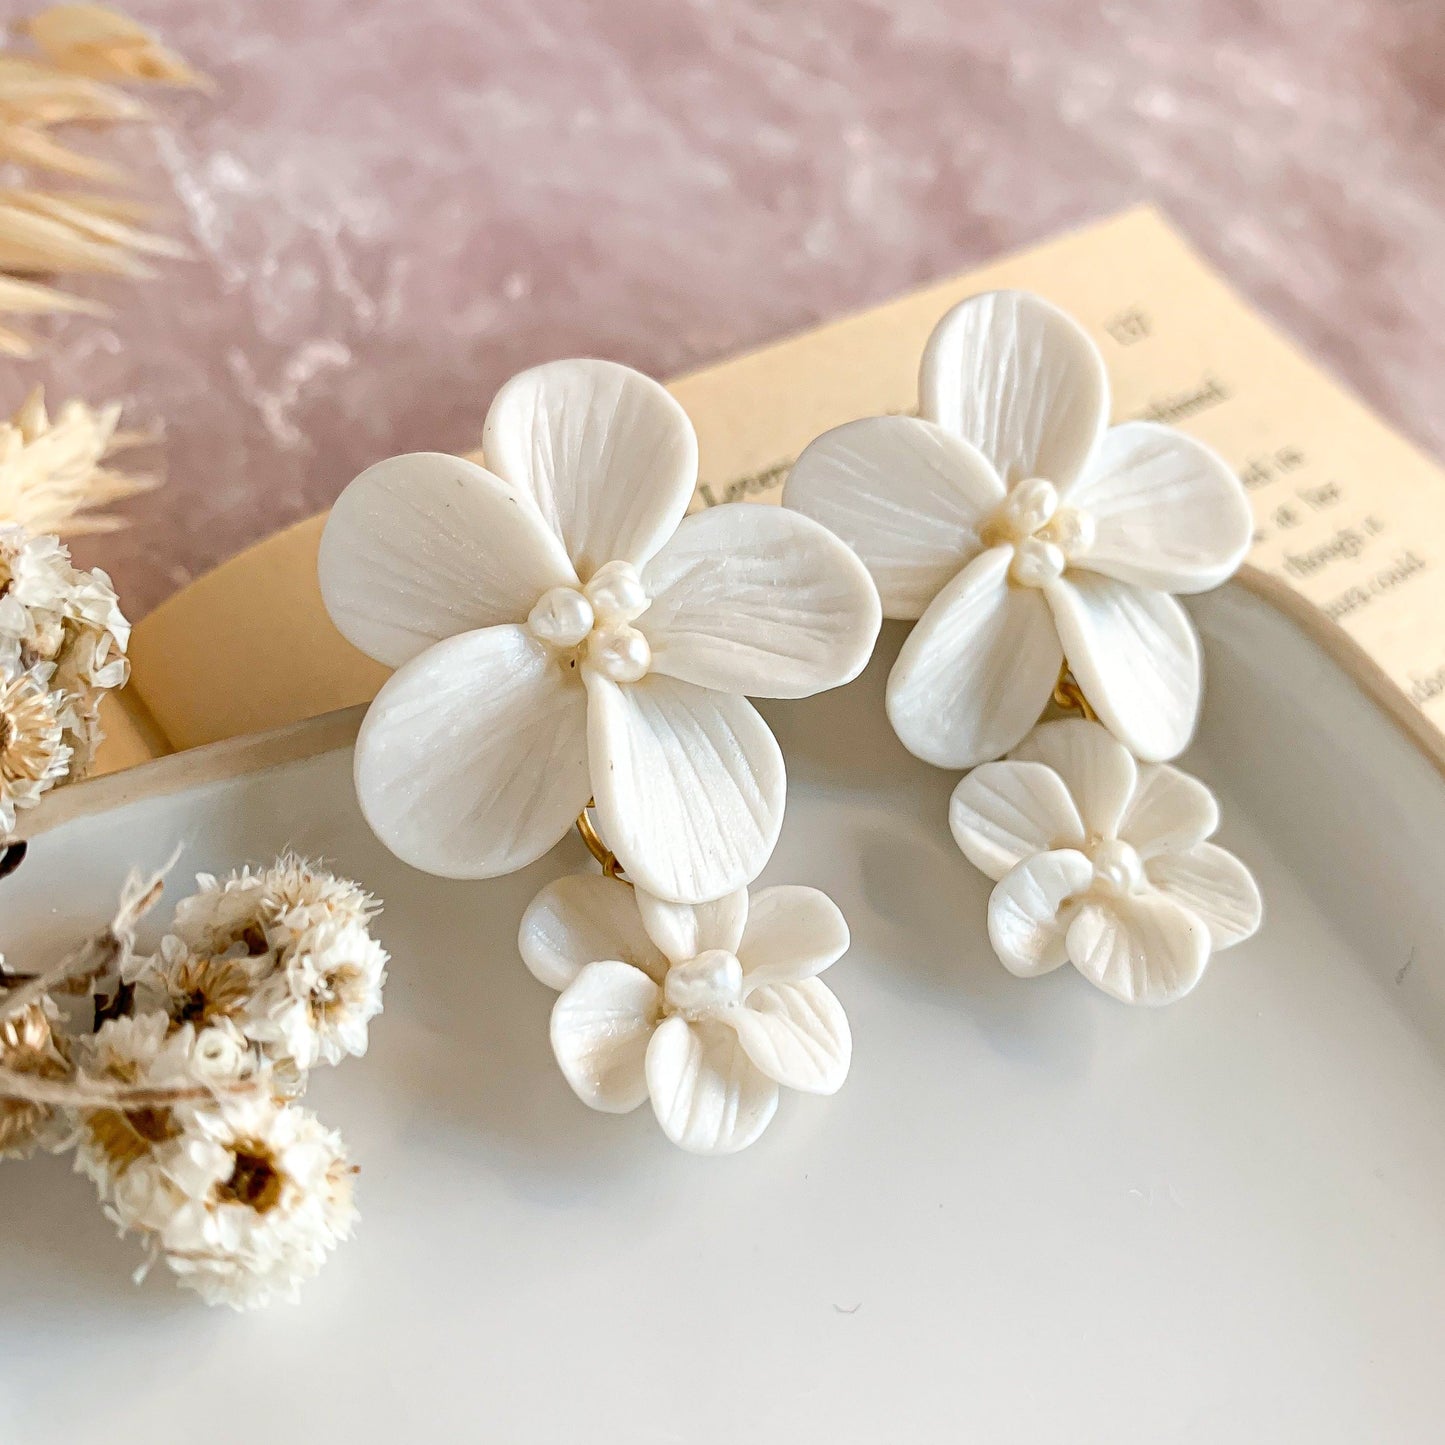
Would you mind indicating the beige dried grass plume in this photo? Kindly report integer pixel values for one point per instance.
(64, 78)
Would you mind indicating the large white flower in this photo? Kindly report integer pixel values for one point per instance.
(561, 632)
(1021, 533)
(1102, 862)
(704, 1010)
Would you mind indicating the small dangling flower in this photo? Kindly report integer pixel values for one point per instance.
(704, 1010)
(562, 632)
(1022, 533)
(1102, 862)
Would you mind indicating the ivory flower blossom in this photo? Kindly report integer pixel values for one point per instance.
(1102, 862)
(703, 1010)
(561, 633)
(1022, 533)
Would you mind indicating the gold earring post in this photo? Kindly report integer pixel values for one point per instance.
(587, 830)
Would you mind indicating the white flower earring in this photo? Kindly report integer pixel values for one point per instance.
(562, 633)
(1039, 553)
(703, 1010)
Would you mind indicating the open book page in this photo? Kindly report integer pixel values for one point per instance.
(1347, 513)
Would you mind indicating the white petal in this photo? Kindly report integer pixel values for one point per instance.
(1025, 924)
(1143, 948)
(975, 673)
(608, 454)
(760, 601)
(1136, 655)
(793, 933)
(684, 930)
(709, 1097)
(427, 546)
(1002, 813)
(472, 760)
(689, 785)
(1095, 767)
(601, 1025)
(1214, 884)
(1169, 809)
(905, 495)
(797, 1033)
(1168, 511)
(581, 919)
(1021, 380)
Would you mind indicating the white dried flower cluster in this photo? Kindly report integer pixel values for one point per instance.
(284, 954)
(184, 1111)
(62, 648)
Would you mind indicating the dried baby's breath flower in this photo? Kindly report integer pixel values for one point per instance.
(33, 753)
(244, 1204)
(52, 472)
(197, 988)
(148, 1049)
(284, 952)
(64, 628)
(30, 1045)
(315, 1008)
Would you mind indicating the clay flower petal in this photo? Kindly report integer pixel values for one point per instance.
(797, 1034)
(689, 785)
(1003, 813)
(1095, 768)
(708, 1095)
(602, 1023)
(682, 931)
(1021, 381)
(977, 670)
(582, 919)
(1213, 884)
(792, 933)
(427, 546)
(1024, 922)
(500, 733)
(1169, 810)
(1142, 948)
(608, 455)
(1135, 654)
(1167, 511)
(759, 601)
(907, 496)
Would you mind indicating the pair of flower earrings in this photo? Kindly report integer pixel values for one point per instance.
(573, 649)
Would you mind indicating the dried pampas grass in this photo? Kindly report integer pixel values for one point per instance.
(78, 49)
(53, 476)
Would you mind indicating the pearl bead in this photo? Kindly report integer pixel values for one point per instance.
(1030, 504)
(1072, 530)
(706, 985)
(616, 592)
(1036, 562)
(1117, 868)
(622, 654)
(561, 618)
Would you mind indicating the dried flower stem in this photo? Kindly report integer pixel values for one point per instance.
(87, 1093)
(99, 953)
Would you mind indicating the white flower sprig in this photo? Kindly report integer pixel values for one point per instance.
(179, 1096)
(703, 1010)
(1102, 862)
(1022, 532)
(562, 633)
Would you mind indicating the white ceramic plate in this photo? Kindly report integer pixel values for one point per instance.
(1031, 1215)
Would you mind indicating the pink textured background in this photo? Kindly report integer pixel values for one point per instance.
(394, 204)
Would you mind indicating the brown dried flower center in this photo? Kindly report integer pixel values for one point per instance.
(255, 1181)
(127, 1135)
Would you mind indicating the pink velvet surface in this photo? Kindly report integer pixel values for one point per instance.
(394, 204)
